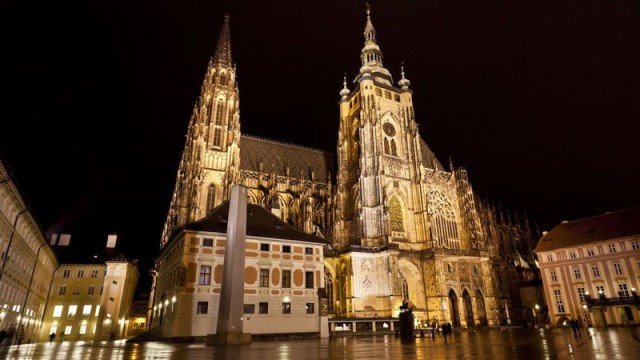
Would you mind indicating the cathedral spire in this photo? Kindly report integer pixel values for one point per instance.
(223, 50)
(371, 56)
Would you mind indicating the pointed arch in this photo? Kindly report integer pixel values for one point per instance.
(444, 228)
(211, 197)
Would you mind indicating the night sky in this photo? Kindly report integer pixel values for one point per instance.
(538, 100)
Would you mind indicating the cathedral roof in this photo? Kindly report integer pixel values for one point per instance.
(609, 226)
(260, 222)
(428, 157)
(276, 156)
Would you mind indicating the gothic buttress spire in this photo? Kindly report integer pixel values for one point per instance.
(223, 50)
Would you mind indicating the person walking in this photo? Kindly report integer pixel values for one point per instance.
(52, 337)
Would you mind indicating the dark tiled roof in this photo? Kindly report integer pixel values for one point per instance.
(428, 157)
(593, 229)
(277, 156)
(260, 223)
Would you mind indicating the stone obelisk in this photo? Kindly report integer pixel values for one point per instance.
(230, 312)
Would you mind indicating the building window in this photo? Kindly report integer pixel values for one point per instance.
(612, 248)
(590, 252)
(308, 279)
(572, 255)
(207, 242)
(80, 273)
(286, 308)
(595, 271)
(83, 329)
(97, 313)
(57, 310)
(286, 248)
(217, 136)
(617, 268)
(86, 310)
(264, 247)
(264, 277)
(576, 273)
(558, 299)
(582, 294)
(211, 198)
(395, 97)
(286, 278)
(205, 275)
(310, 307)
(444, 229)
(554, 276)
(202, 307)
(71, 312)
(550, 257)
(600, 290)
(66, 273)
(67, 330)
(635, 245)
(308, 251)
(223, 79)
(378, 92)
(249, 309)
(62, 290)
(94, 273)
(623, 291)
(263, 308)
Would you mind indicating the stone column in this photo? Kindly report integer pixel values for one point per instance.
(231, 308)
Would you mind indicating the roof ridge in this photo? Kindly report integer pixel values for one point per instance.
(279, 142)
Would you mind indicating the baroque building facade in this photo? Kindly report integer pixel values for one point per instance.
(399, 225)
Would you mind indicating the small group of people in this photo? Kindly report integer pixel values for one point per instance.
(6, 335)
(575, 326)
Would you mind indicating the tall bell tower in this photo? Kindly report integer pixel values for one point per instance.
(211, 156)
(379, 157)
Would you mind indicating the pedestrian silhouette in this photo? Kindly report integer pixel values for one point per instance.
(52, 336)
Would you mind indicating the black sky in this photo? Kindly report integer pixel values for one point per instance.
(538, 100)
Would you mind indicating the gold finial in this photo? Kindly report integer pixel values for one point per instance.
(368, 8)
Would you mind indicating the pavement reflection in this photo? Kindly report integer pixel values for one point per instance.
(494, 344)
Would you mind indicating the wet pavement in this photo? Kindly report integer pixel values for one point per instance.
(495, 344)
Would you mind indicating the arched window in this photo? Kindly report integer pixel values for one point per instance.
(405, 289)
(443, 220)
(223, 79)
(395, 215)
(390, 146)
(328, 285)
(211, 198)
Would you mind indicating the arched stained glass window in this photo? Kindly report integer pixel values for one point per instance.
(443, 220)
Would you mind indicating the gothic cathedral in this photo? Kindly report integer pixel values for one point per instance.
(398, 225)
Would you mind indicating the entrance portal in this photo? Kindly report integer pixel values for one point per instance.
(453, 305)
(482, 312)
(468, 308)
